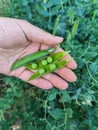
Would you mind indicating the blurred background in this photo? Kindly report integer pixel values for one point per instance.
(25, 107)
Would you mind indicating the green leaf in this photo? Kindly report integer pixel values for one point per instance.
(93, 68)
(65, 97)
(48, 127)
(57, 114)
(90, 55)
(5, 125)
(69, 112)
(44, 13)
(24, 2)
(52, 96)
(96, 112)
(32, 128)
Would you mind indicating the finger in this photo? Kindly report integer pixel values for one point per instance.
(72, 64)
(56, 81)
(36, 34)
(67, 74)
(17, 72)
(40, 82)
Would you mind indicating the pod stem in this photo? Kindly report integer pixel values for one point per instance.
(50, 50)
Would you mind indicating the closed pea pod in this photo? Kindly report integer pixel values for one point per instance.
(31, 57)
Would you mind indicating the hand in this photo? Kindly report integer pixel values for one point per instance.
(19, 38)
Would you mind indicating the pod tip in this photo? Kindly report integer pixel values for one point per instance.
(51, 50)
(11, 69)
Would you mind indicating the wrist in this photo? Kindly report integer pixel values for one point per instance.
(1, 37)
(4, 63)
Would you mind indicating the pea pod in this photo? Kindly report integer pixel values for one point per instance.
(52, 59)
(29, 66)
(62, 63)
(48, 69)
(31, 57)
(37, 74)
(58, 55)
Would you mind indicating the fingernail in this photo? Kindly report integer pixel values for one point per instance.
(59, 38)
(64, 86)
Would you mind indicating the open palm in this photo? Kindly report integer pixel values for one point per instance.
(19, 38)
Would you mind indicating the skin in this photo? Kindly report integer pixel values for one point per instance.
(19, 38)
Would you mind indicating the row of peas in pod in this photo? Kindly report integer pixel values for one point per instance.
(42, 62)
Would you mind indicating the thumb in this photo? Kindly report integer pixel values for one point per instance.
(38, 35)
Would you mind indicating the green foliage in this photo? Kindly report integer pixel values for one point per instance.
(31, 108)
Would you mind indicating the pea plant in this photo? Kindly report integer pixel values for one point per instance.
(25, 107)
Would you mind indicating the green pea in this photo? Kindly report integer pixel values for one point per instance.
(49, 59)
(52, 67)
(31, 57)
(44, 62)
(34, 66)
(41, 71)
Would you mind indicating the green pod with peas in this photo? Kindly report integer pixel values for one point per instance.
(58, 55)
(47, 60)
(52, 58)
(37, 74)
(50, 68)
(31, 57)
(62, 63)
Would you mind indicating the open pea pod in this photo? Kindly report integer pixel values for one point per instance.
(58, 55)
(45, 61)
(50, 68)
